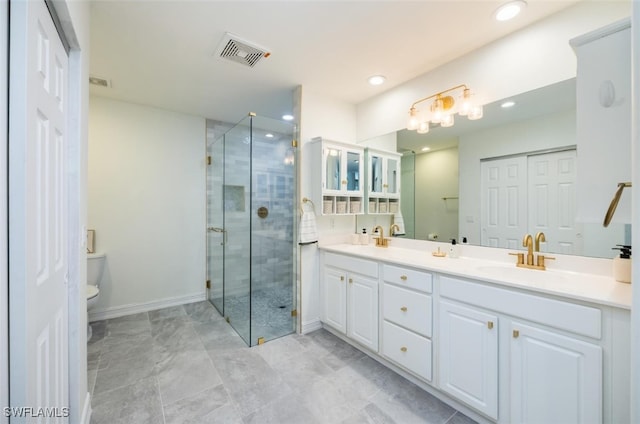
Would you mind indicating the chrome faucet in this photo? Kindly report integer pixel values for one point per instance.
(395, 227)
(380, 240)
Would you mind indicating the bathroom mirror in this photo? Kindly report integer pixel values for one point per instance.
(441, 188)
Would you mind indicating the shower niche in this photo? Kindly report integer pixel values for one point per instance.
(251, 226)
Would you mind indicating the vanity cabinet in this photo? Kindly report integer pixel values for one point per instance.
(468, 356)
(407, 319)
(383, 181)
(554, 365)
(337, 186)
(350, 298)
(603, 120)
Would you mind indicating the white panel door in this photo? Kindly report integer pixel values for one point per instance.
(552, 201)
(554, 378)
(38, 260)
(334, 299)
(362, 325)
(504, 202)
(469, 356)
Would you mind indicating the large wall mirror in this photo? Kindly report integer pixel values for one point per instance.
(495, 179)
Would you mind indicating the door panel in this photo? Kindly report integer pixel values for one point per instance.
(363, 310)
(37, 210)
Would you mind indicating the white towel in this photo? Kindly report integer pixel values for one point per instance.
(399, 221)
(308, 228)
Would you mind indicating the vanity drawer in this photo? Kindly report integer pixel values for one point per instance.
(408, 309)
(410, 278)
(407, 349)
(352, 264)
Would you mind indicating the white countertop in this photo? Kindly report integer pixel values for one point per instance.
(593, 288)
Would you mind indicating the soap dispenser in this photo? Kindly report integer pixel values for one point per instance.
(622, 264)
(364, 237)
(454, 251)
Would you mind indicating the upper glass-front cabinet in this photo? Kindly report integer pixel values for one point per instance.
(383, 181)
(340, 189)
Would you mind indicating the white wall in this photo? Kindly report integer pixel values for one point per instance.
(147, 205)
(533, 57)
(436, 176)
(334, 120)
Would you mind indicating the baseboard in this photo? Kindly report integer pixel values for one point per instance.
(86, 410)
(135, 308)
(309, 326)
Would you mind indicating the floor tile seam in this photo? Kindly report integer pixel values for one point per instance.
(451, 417)
(157, 383)
(264, 405)
(229, 399)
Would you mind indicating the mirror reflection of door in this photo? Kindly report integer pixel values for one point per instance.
(531, 192)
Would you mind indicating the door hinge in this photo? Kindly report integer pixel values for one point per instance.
(208, 284)
(208, 160)
(294, 143)
(294, 313)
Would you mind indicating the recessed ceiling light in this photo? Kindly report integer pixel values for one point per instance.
(509, 10)
(268, 135)
(376, 79)
(426, 149)
(507, 104)
(287, 117)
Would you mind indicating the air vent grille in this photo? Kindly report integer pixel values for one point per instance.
(240, 51)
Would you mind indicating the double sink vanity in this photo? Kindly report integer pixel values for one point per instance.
(502, 343)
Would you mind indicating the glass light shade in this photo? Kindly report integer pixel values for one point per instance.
(436, 116)
(413, 122)
(423, 128)
(475, 112)
(447, 120)
(465, 102)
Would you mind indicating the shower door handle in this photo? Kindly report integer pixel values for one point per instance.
(219, 230)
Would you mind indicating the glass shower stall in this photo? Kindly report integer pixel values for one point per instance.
(252, 227)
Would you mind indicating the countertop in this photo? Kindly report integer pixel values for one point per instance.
(592, 288)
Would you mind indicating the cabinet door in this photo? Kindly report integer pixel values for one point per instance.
(376, 175)
(469, 356)
(363, 310)
(393, 177)
(332, 169)
(353, 172)
(554, 378)
(334, 299)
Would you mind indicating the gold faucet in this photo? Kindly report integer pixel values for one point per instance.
(380, 240)
(395, 227)
(527, 242)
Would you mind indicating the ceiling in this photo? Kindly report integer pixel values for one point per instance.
(163, 53)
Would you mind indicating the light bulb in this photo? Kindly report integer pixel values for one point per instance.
(509, 10)
(447, 120)
(423, 128)
(475, 112)
(413, 119)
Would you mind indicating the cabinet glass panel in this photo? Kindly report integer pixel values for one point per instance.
(333, 176)
(353, 171)
(392, 175)
(376, 174)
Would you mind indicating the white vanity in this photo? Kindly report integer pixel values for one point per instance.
(512, 345)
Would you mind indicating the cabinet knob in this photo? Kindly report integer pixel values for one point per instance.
(490, 325)
(403, 349)
(350, 280)
(516, 334)
(403, 309)
(403, 277)
(342, 278)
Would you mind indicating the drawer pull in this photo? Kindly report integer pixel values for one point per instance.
(403, 277)
(403, 309)
(403, 349)
(342, 278)
(350, 280)
(516, 334)
(490, 325)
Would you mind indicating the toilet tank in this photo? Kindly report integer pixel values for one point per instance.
(95, 267)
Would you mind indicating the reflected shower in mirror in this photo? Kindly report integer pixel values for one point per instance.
(496, 179)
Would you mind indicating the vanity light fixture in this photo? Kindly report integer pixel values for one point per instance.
(442, 109)
(376, 79)
(509, 10)
(508, 104)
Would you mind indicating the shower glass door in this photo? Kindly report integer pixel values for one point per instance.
(251, 228)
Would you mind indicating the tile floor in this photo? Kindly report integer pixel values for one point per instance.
(186, 365)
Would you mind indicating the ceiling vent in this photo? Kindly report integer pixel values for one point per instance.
(100, 82)
(241, 51)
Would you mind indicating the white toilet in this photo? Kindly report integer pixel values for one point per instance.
(95, 268)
